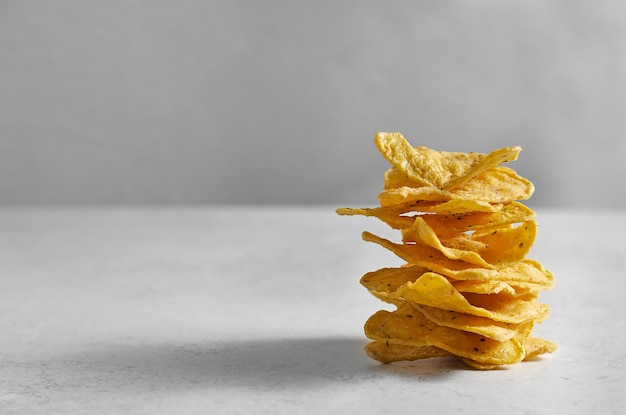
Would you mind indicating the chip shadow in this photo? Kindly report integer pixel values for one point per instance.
(278, 364)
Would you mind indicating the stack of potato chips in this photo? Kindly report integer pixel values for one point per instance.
(467, 288)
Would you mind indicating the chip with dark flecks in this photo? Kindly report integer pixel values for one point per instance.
(408, 326)
(467, 289)
(438, 169)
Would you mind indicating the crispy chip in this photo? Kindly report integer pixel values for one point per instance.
(405, 198)
(445, 225)
(467, 289)
(485, 248)
(454, 224)
(405, 194)
(511, 288)
(485, 287)
(384, 282)
(395, 285)
(498, 185)
(525, 274)
(386, 352)
(427, 236)
(479, 365)
(434, 290)
(525, 270)
(409, 327)
(439, 169)
(392, 217)
(426, 199)
(535, 346)
(421, 254)
(480, 325)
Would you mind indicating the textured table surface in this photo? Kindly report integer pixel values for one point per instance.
(259, 310)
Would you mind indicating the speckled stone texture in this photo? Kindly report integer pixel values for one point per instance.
(259, 310)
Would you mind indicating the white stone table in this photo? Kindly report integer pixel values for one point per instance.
(217, 310)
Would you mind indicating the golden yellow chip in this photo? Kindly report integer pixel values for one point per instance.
(439, 169)
(484, 248)
(527, 288)
(498, 185)
(485, 287)
(423, 199)
(394, 178)
(392, 217)
(434, 290)
(480, 325)
(399, 199)
(386, 352)
(447, 225)
(396, 285)
(467, 289)
(409, 327)
(384, 282)
(427, 236)
(525, 274)
(479, 365)
(535, 346)
(526, 271)
(405, 194)
(421, 254)
(402, 217)
(493, 286)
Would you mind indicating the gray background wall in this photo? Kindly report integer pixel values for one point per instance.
(196, 101)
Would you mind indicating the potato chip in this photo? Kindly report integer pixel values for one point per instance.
(483, 326)
(467, 289)
(384, 282)
(485, 248)
(485, 287)
(423, 199)
(479, 365)
(427, 236)
(392, 217)
(405, 198)
(434, 290)
(447, 225)
(396, 285)
(499, 246)
(535, 346)
(421, 254)
(439, 169)
(405, 194)
(525, 271)
(522, 273)
(394, 178)
(512, 288)
(499, 185)
(386, 352)
(409, 327)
